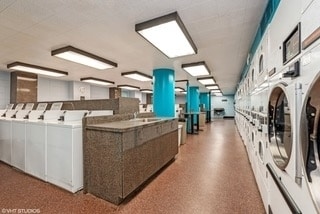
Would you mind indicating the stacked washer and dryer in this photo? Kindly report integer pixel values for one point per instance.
(281, 132)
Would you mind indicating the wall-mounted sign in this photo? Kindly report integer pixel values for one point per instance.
(291, 46)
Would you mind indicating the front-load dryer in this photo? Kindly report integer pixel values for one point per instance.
(310, 125)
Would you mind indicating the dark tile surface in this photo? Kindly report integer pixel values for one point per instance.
(211, 174)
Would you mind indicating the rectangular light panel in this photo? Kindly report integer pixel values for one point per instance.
(82, 57)
(218, 94)
(206, 81)
(147, 91)
(137, 76)
(168, 34)
(178, 89)
(212, 87)
(35, 69)
(96, 81)
(196, 68)
(128, 87)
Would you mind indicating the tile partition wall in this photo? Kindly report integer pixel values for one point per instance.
(23, 87)
(122, 105)
(114, 92)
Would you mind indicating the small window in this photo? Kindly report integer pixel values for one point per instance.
(261, 64)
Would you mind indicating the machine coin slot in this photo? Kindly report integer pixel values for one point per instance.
(294, 70)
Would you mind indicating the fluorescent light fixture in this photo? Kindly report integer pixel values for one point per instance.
(168, 34)
(212, 87)
(206, 80)
(196, 68)
(178, 89)
(27, 79)
(35, 69)
(215, 91)
(137, 76)
(128, 87)
(96, 81)
(147, 91)
(24, 89)
(79, 56)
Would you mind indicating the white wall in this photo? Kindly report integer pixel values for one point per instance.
(181, 99)
(53, 90)
(225, 102)
(80, 89)
(4, 89)
(99, 92)
(143, 98)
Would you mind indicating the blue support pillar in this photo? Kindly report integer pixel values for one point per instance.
(194, 99)
(210, 96)
(193, 103)
(205, 100)
(163, 92)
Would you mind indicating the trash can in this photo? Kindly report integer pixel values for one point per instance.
(183, 122)
(179, 134)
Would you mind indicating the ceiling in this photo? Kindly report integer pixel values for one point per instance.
(221, 29)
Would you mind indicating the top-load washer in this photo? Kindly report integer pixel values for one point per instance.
(18, 148)
(6, 133)
(36, 139)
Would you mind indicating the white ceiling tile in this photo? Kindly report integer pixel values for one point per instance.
(222, 31)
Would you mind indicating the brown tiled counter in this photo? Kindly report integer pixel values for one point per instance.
(120, 156)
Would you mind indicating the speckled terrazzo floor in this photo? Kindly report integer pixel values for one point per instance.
(211, 175)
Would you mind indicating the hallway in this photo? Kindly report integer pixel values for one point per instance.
(211, 174)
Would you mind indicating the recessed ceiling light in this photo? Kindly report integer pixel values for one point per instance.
(82, 57)
(212, 87)
(20, 66)
(137, 76)
(206, 80)
(96, 81)
(147, 91)
(128, 87)
(168, 34)
(196, 68)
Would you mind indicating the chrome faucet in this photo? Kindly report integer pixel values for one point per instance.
(135, 115)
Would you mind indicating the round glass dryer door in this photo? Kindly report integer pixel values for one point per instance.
(280, 137)
(310, 140)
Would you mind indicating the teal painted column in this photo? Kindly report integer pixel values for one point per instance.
(210, 97)
(194, 99)
(204, 99)
(163, 92)
(193, 104)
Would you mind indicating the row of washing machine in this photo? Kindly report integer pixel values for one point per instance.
(45, 144)
(278, 114)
